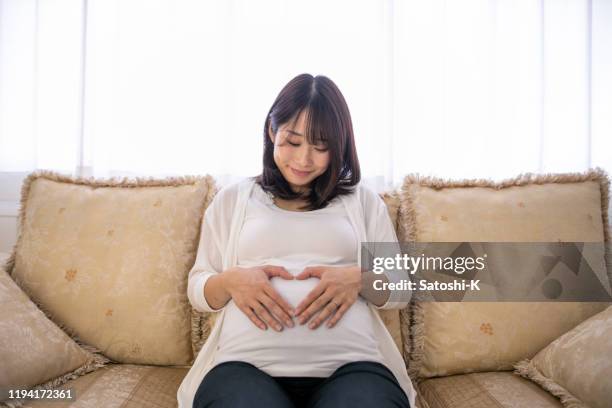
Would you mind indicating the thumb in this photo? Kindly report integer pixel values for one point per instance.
(310, 272)
(279, 271)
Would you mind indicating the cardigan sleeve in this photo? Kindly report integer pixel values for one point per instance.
(208, 263)
(379, 228)
(209, 259)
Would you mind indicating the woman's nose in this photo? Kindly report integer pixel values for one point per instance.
(304, 156)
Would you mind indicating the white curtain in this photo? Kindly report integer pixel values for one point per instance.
(471, 88)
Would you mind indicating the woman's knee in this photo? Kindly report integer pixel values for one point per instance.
(239, 384)
(360, 384)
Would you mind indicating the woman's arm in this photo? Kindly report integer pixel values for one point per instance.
(380, 229)
(215, 293)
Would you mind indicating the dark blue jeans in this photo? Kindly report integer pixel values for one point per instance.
(237, 384)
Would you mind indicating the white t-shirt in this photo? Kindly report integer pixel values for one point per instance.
(275, 236)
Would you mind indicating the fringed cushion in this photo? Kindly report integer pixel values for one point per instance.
(577, 367)
(108, 260)
(390, 317)
(450, 338)
(34, 352)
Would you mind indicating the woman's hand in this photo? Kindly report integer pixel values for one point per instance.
(251, 290)
(335, 294)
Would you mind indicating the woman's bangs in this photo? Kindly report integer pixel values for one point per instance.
(318, 127)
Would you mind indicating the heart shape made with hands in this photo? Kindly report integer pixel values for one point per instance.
(325, 292)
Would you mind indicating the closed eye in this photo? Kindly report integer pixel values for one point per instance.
(324, 149)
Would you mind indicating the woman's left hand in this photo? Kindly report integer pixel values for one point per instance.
(334, 294)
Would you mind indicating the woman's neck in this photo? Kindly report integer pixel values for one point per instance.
(291, 205)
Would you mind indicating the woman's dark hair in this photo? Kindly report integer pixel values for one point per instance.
(328, 121)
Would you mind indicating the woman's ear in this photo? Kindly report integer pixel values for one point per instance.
(270, 133)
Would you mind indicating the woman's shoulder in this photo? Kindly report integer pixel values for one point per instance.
(367, 195)
(227, 196)
(230, 191)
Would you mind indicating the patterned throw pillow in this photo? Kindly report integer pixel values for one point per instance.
(34, 351)
(109, 260)
(451, 337)
(577, 367)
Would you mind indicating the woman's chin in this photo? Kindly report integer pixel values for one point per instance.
(297, 188)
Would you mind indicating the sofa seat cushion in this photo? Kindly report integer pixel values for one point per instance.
(122, 385)
(501, 389)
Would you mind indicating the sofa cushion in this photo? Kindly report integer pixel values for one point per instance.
(109, 260)
(577, 367)
(452, 337)
(34, 351)
(123, 385)
(484, 390)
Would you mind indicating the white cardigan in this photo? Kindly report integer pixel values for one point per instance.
(217, 252)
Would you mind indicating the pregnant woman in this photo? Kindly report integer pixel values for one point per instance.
(279, 260)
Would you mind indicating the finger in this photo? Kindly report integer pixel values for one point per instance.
(253, 317)
(276, 310)
(310, 297)
(310, 272)
(338, 315)
(280, 271)
(315, 306)
(263, 314)
(326, 312)
(271, 292)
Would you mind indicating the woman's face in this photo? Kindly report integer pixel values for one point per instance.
(299, 161)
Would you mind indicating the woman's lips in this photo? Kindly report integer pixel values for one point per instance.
(300, 173)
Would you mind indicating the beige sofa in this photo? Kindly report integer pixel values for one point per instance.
(104, 265)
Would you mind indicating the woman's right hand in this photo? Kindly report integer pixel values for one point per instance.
(252, 292)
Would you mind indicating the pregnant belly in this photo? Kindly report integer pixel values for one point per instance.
(294, 291)
(351, 339)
